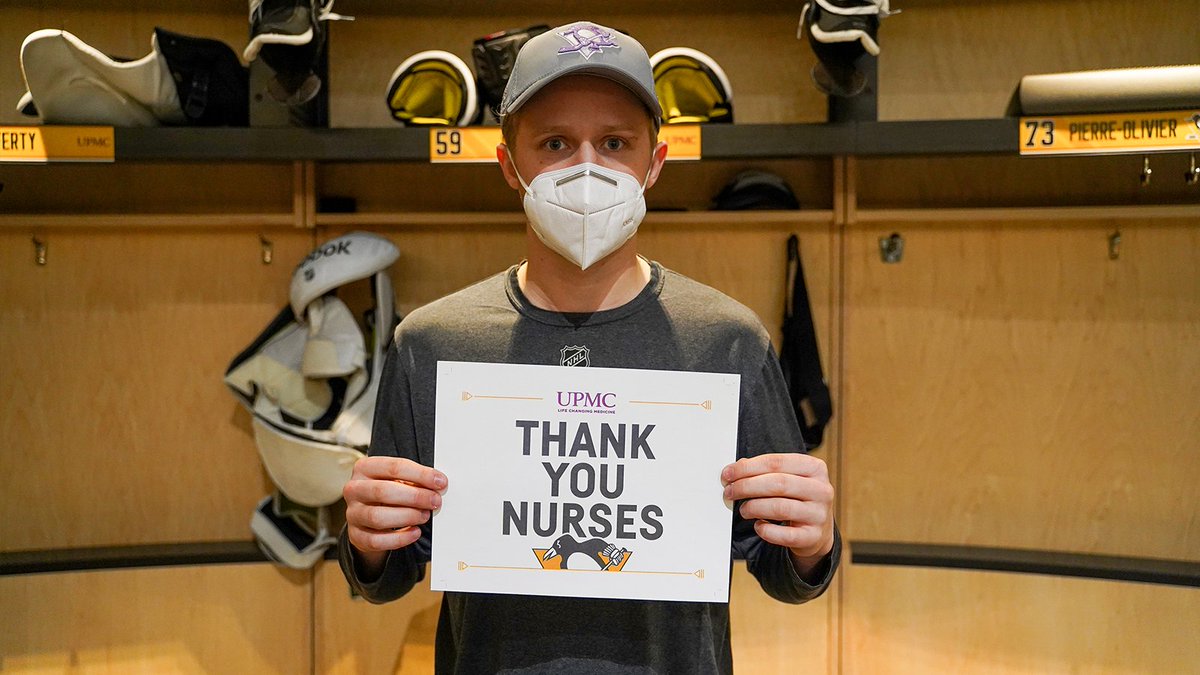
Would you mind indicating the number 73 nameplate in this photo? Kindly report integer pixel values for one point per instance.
(1111, 133)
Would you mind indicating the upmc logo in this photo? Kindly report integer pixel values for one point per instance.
(585, 399)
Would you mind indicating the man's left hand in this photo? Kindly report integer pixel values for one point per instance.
(790, 498)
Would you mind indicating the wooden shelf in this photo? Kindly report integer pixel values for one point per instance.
(744, 141)
(1027, 213)
(440, 219)
(420, 218)
(367, 8)
(1057, 563)
(719, 142)
(100, 220)
(211, 144)
(530, 8)
(517, 218)
(120, 557)
(937, 137)
(751, 217)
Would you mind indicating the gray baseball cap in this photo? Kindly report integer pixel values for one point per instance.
(581, 47)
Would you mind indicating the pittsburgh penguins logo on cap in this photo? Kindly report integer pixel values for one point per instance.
(586, 40)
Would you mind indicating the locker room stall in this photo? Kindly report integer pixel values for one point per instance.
(1019, 383)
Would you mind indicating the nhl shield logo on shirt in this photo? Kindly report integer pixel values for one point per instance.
(574, 356)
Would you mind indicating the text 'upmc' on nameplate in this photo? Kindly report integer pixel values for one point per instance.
(683, 141)
(1111, 133)
(583, 482)
(39, 144)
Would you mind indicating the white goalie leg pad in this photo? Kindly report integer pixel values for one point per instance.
(273, 377)
(283, 539)
(335, 346)
(70, 82)
(309, 472)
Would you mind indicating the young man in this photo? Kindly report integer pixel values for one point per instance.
(580, 118)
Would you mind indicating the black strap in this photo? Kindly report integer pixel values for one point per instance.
(800, 358)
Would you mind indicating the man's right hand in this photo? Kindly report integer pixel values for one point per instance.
(387, 498)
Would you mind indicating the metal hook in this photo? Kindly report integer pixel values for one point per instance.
(268, 249)
(1192, 176)
(891, 248)
(1146, 170)
(39, 251)
(1114, 245)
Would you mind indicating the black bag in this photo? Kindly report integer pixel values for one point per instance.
(213, 86)
(800, 358)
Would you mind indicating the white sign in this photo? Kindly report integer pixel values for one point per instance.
(584, 482)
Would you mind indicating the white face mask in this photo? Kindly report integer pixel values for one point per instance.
(584, 212)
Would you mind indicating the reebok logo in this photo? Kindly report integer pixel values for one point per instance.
(330, 249)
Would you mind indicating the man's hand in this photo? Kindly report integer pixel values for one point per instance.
(791, 500)
(387, 498)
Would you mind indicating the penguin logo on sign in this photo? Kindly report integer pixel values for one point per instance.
(595, 554)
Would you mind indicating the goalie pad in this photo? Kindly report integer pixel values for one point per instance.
(71, 82)
(839, 33)
(289, 534)
(183, 80)
(290, 37)
(494, 56)
(310, 380)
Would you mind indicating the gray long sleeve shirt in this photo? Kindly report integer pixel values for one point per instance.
(673, 324)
